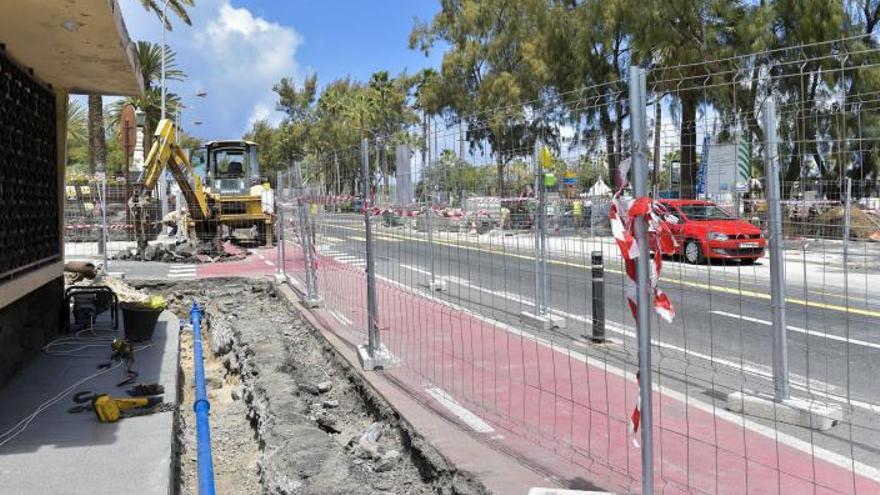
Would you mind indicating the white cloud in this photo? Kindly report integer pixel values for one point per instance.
(244, 56)
(233, 55)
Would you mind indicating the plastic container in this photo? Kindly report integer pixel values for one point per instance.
(139, 323)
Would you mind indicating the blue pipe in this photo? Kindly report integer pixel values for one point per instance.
(201, 406)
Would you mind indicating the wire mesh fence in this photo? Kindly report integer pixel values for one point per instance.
(499, 292)
(483, 257)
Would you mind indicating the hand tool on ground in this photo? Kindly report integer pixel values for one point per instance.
(109, 409)
(123, 351)
(143, 390)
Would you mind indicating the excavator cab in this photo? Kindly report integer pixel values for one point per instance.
(231, 167)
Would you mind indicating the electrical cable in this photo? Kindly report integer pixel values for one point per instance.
(95, 341)
(22, 425)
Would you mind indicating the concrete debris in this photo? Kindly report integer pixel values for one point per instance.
(328, 423)
(336, 436)
(187, 252)
(373, 433)
(237, 393)
(387, 462)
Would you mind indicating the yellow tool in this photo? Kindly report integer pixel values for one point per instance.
(110, 409)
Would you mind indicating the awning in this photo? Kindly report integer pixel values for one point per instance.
(78, 45)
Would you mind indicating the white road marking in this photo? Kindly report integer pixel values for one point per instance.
(181, 270)
(773, 434)
(814, 387)
(800, 330)
(339, 317)
(268, 262)
(415, 269)
(475, 422)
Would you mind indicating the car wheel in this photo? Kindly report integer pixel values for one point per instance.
(693, 253)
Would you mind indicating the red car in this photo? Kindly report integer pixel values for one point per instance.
(707, 231)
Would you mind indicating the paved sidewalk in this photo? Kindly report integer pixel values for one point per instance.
(75, 454)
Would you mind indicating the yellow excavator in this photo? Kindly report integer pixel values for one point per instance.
(235, 202)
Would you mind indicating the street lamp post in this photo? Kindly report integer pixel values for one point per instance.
(164, 28)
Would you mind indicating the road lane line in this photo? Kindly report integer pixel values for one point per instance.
(800, 330)
(415, 269)
(811, 387)
(685, 283)
(809, 448)
(475, 422)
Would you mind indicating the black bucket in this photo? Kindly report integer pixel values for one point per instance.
(139, 323)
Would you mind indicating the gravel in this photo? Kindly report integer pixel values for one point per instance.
(290, 416)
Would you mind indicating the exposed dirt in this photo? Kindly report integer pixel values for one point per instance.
(288, 415)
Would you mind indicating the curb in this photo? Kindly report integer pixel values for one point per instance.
(499, 472)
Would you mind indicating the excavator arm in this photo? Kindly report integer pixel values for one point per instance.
(165, 153)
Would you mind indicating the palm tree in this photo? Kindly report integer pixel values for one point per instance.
(149, 57)
(97, 144)
(76, 123)
(176, 6)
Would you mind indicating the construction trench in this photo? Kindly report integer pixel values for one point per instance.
(289, 415)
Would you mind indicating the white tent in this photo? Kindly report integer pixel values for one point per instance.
(599, 189)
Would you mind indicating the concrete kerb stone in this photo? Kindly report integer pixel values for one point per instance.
(498, 472)
(795, 411)
(438, 285)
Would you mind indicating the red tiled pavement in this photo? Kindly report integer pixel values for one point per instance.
(551, 406)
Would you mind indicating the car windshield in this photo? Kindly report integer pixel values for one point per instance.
(705, 212)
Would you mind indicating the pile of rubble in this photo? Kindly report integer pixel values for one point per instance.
(187, 252)
(288, 414)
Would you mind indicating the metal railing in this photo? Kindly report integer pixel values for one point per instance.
(481, 292)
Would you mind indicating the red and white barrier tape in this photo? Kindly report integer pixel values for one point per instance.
(661, 241)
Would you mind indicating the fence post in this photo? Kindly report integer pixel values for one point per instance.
(373, 355)
(311, 296)
(541, 318)
(435, 284)
(777, 262)
(540, 212)
(598, 297)
(280, 276)
(637, 104)
(847, 221)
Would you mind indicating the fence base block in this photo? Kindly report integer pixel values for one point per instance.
(380, 360)
(280, 278)
(438, 285)
(800, 412)
(542, 322)
(312, 302)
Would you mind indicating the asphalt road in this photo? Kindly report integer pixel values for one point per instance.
(719, 342)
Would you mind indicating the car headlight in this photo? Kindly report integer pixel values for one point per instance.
(716, 236)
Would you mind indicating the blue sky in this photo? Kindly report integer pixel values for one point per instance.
(237, 49)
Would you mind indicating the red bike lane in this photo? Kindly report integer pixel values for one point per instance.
(555, 408)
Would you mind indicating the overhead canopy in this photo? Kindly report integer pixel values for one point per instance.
(77, 45)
